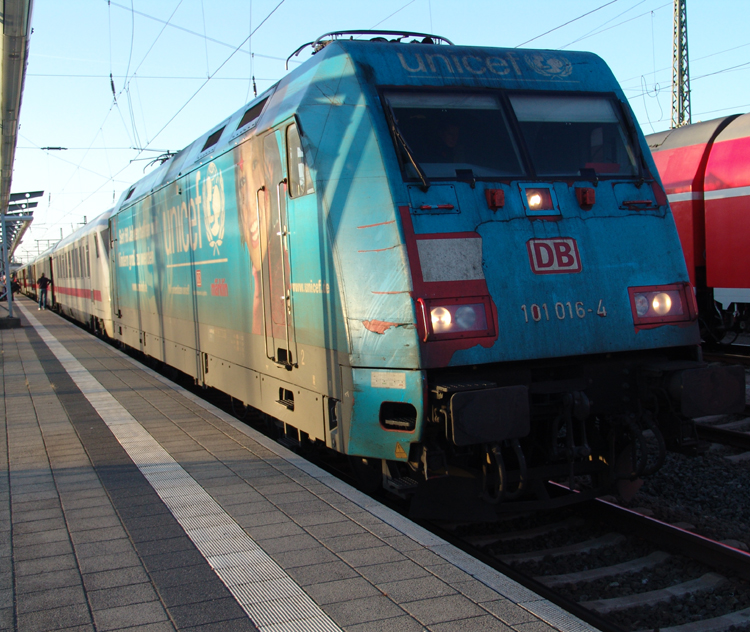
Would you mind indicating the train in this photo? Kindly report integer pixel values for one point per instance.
(455, 266)
(704, 169)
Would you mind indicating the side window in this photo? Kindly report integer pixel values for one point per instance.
(300, 182)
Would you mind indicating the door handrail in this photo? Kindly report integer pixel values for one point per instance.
(262, 284)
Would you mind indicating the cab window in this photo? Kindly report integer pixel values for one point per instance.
(567, 134)
(300, 182)
(450, 131)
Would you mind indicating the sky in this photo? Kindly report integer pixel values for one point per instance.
(179, 67)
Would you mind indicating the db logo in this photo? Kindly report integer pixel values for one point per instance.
(554, 256)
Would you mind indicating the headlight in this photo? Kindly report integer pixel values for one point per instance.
(453, 318)
(539, 199)
(663, 304)
(441, 319)
(641, 304)
(466, 316)
(458, 318)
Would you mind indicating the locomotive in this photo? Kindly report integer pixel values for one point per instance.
(704, 170)
(455, 265)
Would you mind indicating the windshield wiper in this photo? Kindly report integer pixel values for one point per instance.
(410, 155)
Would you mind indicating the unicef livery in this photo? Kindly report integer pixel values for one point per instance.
(456, 265)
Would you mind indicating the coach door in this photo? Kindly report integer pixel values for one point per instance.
(278, 312)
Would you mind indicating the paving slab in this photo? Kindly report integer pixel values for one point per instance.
(138, 505)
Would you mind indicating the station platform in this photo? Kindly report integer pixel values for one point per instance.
(127, 502)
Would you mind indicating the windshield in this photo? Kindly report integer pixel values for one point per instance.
(566, 134)
(449, 132)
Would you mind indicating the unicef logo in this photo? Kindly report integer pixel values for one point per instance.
(213, 207)
(549, 65)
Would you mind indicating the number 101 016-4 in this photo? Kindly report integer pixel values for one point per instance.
(560, 311)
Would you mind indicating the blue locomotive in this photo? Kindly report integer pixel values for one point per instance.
(456, 265)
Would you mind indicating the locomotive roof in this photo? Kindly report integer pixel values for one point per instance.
(509, 68)
(384, 63)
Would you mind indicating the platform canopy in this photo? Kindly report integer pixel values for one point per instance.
(15, 16)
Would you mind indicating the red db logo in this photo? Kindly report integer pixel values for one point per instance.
(554, 256)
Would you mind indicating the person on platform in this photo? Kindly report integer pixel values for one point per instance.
(42, 284)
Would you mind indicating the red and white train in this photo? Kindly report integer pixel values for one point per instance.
(705, 168)
(79, 269)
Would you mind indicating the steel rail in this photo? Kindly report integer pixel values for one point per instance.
(723, 436)
(673, 539)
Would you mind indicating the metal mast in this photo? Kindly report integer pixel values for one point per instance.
(680, 69)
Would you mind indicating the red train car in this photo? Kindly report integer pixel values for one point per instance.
(705, 169)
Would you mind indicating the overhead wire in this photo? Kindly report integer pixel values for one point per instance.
(656, 89)
(57, 156)
(600, 29)
(694, 60)
(599, 8)
(392, 14)
(609, 28)
(158, 77)
(186, 30)
(250, 82)
(742, 66)
(142, 149)
(205, 38)
(79, 165)
(114, 103)
(126, 86)
(212, 76)
(203, 85)
(158, 36)
(132, 37)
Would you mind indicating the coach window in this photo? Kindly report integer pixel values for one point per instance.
(300, 182)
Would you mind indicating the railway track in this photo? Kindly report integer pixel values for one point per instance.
(737, 355)
(619, 570)
(725, 436)
(727, 431)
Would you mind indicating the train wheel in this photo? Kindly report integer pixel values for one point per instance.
(493, 474)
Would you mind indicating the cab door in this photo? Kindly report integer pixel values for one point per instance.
(113, 250)
(278, 309)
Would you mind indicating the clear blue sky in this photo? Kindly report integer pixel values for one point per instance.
(161, 53)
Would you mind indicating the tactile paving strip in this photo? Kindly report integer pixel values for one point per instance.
(273, 601)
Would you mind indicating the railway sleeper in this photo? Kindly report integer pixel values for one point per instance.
(709, 581)
(610, 539)
(632, 566)
(527, 534)
(725, 622)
